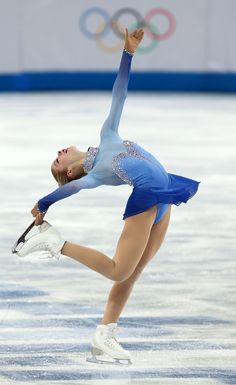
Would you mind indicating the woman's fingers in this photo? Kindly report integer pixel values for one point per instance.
(140, 33)
(34, 211)
(137, 34)
(37, 215)
(39, 219)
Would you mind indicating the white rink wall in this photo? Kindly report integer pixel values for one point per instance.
(64, 39)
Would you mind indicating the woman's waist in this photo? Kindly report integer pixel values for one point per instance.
(150, 180)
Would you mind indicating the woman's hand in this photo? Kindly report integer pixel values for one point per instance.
(37, 215)
(133, 39)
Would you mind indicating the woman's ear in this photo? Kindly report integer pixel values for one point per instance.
(75, 170)
(70, 172)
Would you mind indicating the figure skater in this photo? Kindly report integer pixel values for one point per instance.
(146, 217)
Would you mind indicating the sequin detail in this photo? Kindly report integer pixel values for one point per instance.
(116, 161)
(90, 158)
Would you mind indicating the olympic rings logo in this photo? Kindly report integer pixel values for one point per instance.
(113, 24)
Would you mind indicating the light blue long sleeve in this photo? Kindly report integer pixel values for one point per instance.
(119, 93)
(110, 144)
(67, 190)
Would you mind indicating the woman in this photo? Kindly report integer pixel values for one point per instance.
(146, 216)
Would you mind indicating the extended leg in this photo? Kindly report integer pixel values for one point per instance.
(130, 248)
(121, 291)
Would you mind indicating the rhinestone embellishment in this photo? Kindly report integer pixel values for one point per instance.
(90, 158)
(116, 161)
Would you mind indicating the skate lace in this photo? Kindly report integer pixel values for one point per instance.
(46, 246)
(111, 339)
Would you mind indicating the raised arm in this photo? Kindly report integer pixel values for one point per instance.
(63, 192)
(120, 87)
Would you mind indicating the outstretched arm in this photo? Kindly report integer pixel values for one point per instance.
(119, 91)
(73, 187)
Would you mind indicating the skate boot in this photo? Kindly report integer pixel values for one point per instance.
(104, 342)
(48, 240)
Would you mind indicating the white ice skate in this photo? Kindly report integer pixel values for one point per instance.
(47, 240)
(105, 343)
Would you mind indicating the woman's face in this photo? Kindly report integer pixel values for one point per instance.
(65, 158)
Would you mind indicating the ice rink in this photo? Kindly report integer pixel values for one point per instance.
(179, 323)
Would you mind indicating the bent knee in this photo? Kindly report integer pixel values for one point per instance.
(131, 276)
(120, 276)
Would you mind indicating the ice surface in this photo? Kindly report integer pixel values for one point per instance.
(179, 323)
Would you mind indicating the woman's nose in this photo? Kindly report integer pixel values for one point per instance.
(59, 152)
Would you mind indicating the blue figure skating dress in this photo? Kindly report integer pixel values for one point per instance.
(116, 161)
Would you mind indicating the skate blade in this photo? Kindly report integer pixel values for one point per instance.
(19, 243)
(22, 240)
(117, 361)
(17, 246)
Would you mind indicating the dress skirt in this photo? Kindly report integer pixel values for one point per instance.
(179, 190)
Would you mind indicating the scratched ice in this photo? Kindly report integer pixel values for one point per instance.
(179, 323)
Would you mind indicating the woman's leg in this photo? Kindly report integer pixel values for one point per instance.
(130, 248)
(121, 291)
